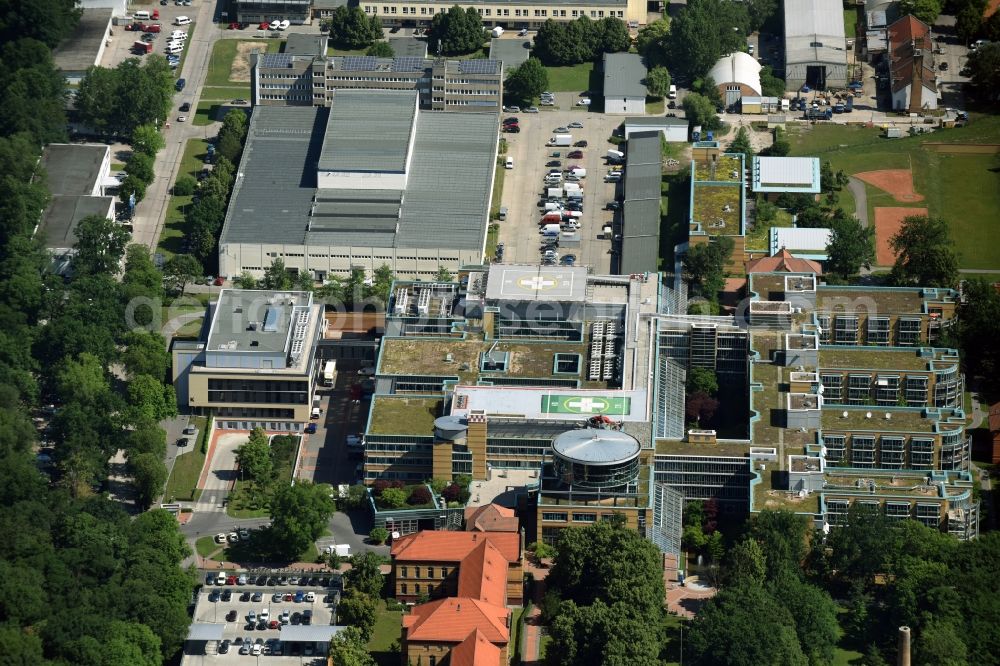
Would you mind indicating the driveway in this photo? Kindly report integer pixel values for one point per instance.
(523, 186)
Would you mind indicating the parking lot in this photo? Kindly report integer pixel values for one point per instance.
(122, 39)
(524, 187)
(272, 601)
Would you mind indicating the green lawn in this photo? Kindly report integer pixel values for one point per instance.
(850, 21)
(172, 236)
(183, 482)
(343, 52)
(207, 547)
(575, 78)
(964, 189)
(498, 177)
(386, 632)
(223, 54)
(283, 458)
(655, 106)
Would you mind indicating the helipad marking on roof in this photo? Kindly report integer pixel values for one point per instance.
(571, 404)
(537, 282)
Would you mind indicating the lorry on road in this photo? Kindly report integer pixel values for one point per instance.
(819, 114)
(329, 373)
(561, 140)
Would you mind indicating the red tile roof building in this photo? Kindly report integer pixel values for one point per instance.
(490, 518)
(476, 572)
(783, 262)
(911, 69)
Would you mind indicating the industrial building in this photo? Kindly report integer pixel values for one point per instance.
(780, 175)
(736, 75)
(674, 129)
(624, 84)
(815, 44)
(296, 12)
(78, 178)
(509, 14)
(294, 79)
(640, 234)
(255, 363)
(373, 180)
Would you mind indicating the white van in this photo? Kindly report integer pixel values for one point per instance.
(178, 34)
(182, 20)
(673, 90)
(509, 164)
(572, 187)
(576, 195)
(175, 49)
(141, 15)
(552, 205)
(549, 230)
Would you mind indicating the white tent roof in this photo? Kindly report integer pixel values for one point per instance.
(206, 631)
(737, 67)
(814, 32)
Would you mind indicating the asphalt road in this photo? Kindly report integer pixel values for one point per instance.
(523, 186)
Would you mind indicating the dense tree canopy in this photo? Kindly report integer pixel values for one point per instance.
(983, 67)
(526, 81)
(580, 40)
(851, 247)
(457, 31)
(925, 253)
(702, 32)
(114, 102)
(351, 28)
(299, 515)
(979, 329)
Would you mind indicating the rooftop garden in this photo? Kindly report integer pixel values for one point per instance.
(887, 301)
(717, 208)
(389, 495)
(395, 415)
(766, 496)
(726, 169)
(857, 419)
(871, 358)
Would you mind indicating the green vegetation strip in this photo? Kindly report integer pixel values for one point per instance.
(174, 226)
(386, 631)
(574, 78)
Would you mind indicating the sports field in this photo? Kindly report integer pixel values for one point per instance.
(962, 187)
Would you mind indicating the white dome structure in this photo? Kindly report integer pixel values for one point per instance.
(737, 71)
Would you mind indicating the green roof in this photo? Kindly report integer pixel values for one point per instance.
(766, 497)
(889, 301)
(396, 415)
(672, 447)
(872, 358)
(902, 420)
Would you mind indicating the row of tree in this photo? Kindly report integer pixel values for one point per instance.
(73, 558)
(114, 102)
(581, 40)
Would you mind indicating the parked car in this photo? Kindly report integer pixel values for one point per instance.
(581, 144)
(512, 119)
(560, 130)
(512, 129)
(226, 596)
(531, 109)
(575, 125)
(224, 645)
(231, 616)
(554, 163)
(575, 155)
(214, 596)
(257, 596)
(583, 102)
(220, 538)
(512, 109)
(310, 429)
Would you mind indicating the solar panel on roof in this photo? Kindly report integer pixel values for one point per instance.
(408, 64)
(478, 66)
(275, 60)
(358, 63)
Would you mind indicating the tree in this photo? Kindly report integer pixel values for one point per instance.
(703, 380)
(969, 21)
(299, 515)
(456, 32)
(381, 50)
(131, 186)
(149, 474)
(140, 165)
(444, 275)
(780, 147)
(925, 253)
(378, 535)
(147, 139)
(771, 85)
(983, 67)
(393, 498)
(925, 10)
(350, 648)
(612, 35)
(747, 564)
(554, 45)
(815, 615)
(181, 269)
(979, 329)
(658, 81)
(741, 144)
(145, 354)
(184, 186)
(600, 634)
(940, 644)
(743, 625)
(381, 283)
(350, 28)
(705, 265)
(651, 42)
(359, 611)
(782, 535)
(759, 12)
(703, 31)
(851, 246)
(699, 110)
(254, 457)
(149, 398)
(700, 407)
(100, 245)
(276, 276)
(365, 574)
(526, 81)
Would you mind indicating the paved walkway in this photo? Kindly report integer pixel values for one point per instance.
(857, 188)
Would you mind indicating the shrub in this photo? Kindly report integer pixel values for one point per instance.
(392, 498)
(452, 492)
(378, 535)
(184, 186)
(380, 486)
(419, 495)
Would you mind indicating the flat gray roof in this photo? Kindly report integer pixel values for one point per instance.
(299, 43)
(206, 631)
(72, 168)
(276, 177)
(79, 51)
(255, 320)
(369, 130)
(640, 248)
(408, 47)
(644, 148)
(310, 633)
(656, 121)
(58, 226)
(814, 32)
(510, 52)
(624, 75)
(445, 203)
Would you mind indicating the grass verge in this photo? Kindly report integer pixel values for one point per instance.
(174, 226)
(207, 547)
(655, 106)
(385, 633)
(850, 21)
(498, 177)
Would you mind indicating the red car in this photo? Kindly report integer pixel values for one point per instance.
(288, 597)
(219, 281)
(230, 580)
(265, 26)
(234, 26)
(273, 624)
(156, 14)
